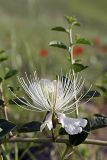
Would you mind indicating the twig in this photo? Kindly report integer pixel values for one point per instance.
(3, 99)
(65, 152)
(50, 140)
(4, 107)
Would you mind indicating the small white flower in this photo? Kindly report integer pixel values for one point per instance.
(56, 97)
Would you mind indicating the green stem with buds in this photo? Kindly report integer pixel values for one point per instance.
(72, 62)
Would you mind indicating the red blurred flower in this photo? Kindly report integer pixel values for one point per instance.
(96, 41)
(43, 52)
(99, 45)
(78, 51)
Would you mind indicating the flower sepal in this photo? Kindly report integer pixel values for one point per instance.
(47, 122)
(54, 120)
(50, 121)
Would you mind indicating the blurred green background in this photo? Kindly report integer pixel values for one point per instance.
(25, 29)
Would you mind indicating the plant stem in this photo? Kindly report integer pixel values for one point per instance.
(4, 107)
(65, 152)
(53, 137)
(50, 140)
(5, 152)
(16, 151)
(73, 72)
(1, 157)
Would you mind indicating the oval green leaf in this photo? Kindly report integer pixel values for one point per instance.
(2, 51)
(82, 41)
(99, 121)
(19, 101)
(61, 29)
(1, 103)
(11, 73)
(79, 67)
(92, 94)
(58, 44)
(33, 126)
(102, 88)
(1, 79)
(62, 131)
(2, 59)
(6, 127)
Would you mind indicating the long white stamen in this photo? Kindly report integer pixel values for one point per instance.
(27, 104)
(54, 96)
(35, 96)
(57, 97)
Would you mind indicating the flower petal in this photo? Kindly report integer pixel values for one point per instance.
(48, 122)
(71, 125)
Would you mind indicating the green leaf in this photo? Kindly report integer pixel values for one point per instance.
(10, 88)
(6, 127)
(10, 73)
(33, 126)
(99, 121)
(1, 103)
(19, 101)
(61, 29)
(58, 44)
(79, 138)
(77, 24)
(102, 88)
(78, 61)
(2, 59)
(78, 67)
(92, 94)
(1, 79)
(62, 131)
(2, 51)
(82, 41)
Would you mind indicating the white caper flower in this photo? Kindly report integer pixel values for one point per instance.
(56, 97)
